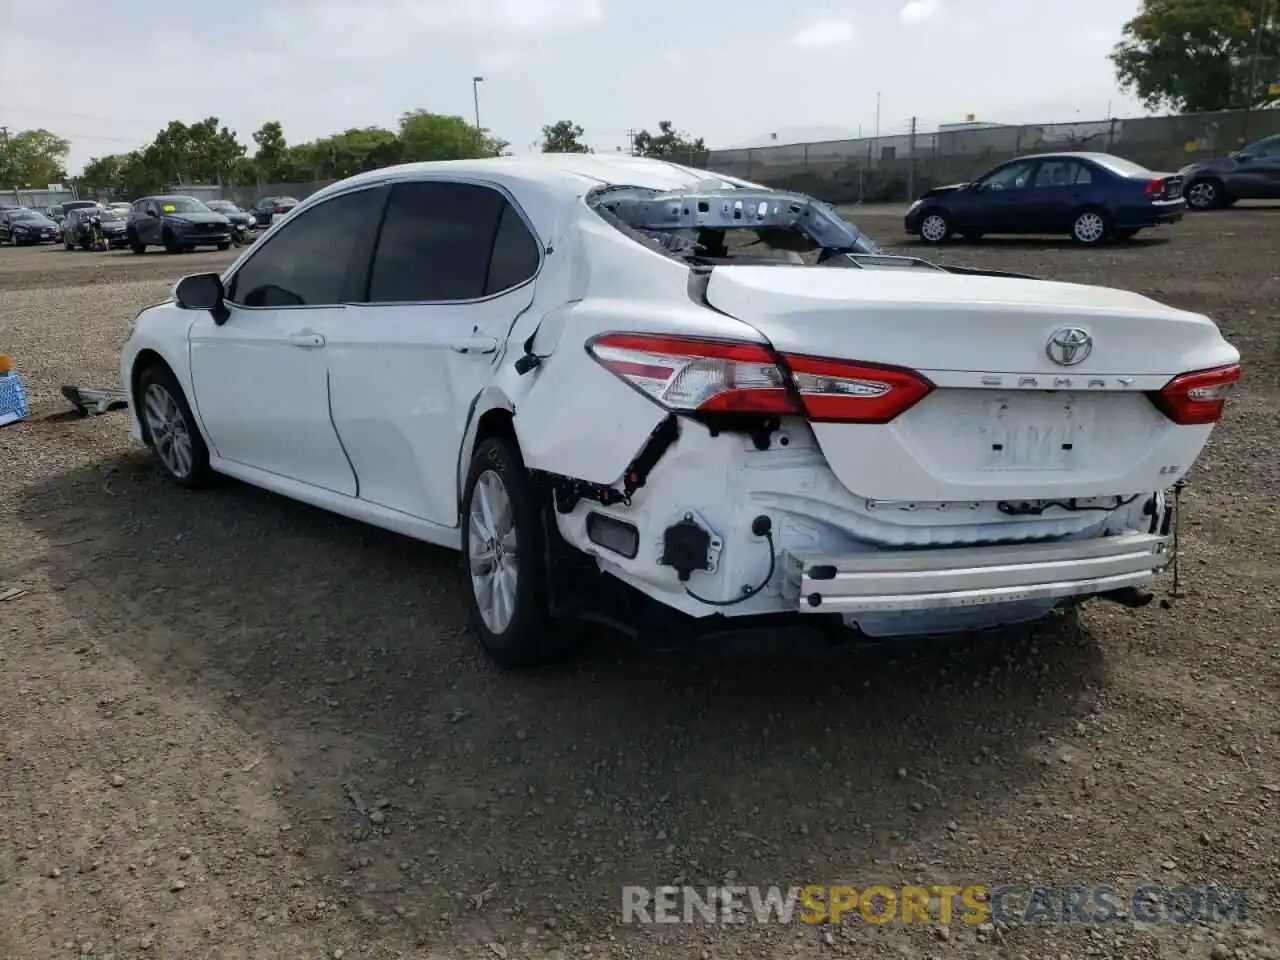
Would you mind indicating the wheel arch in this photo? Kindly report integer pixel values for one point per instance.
(143, 359)
(492, 414)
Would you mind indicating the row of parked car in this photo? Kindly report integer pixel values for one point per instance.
(172, 221)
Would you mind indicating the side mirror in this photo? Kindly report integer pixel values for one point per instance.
(1243, 157)
(199, 291)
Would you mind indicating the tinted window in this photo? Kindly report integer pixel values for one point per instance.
(515, 253)
(435, 243)
(307, 261)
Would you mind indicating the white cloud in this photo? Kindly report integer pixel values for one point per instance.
(827, 32)
(917, 11)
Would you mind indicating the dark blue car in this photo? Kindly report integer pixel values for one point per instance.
(1251, 173)
(1091, 197)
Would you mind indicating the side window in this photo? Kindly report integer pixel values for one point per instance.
(308, 261)
(436, 242)
(515, 253)
(1012, 177)
(1084, 175)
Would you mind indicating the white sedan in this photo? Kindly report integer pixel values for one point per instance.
(589, 373)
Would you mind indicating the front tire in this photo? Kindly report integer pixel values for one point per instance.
(503, 549)
(935, 227)
(225, 246)
(171, 430)
(171, 244)
(1090, 227)
(1205, 194)
(136, 245)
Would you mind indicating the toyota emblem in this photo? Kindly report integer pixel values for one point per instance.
(1069, 346)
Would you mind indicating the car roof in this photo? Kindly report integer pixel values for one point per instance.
(168, 196)
(570, 171)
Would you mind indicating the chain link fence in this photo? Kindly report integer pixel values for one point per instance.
(901, 167)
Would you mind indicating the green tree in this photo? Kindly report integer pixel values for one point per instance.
(563, 136)
(355, 151)
(33, 158)
(434, 136)
(1196, 55)
(104, 174)
(272, 160)
(669, 144)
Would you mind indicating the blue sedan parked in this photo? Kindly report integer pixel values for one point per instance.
(1091, 197)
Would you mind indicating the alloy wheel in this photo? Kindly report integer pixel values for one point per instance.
(1089, 227)
(492, 551)
(170, 434)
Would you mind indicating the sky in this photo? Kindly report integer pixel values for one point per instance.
(731, 72)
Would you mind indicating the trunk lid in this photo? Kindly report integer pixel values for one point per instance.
(1005, 419)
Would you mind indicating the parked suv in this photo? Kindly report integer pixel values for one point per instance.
(268, 207)
(176, 223)
(1251, 173)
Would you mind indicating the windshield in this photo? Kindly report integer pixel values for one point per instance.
(26, 215)
(224, 206)
(1121, 166)
(109, 214)
(182, 205)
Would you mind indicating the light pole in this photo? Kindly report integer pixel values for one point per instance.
(475, 96)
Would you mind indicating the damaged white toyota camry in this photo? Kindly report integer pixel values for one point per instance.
(628, 389)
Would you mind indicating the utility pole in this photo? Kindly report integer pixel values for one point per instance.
(911, 166)
(631, 138)
(876, 157)
(475, 96)
(1259, 25)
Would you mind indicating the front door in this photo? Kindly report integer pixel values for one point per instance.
(261, 380)
(451, 273)
(1000, 195)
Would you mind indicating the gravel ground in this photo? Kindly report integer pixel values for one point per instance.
(200, 693)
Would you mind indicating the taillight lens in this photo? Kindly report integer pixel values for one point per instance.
(845, 391)
(1199, 396)
(692, 374)
(279, 209)
(706, 376)
(1155, 187)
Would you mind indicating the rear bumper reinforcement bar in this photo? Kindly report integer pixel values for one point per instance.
(949, 577)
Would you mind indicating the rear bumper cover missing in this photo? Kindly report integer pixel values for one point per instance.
(959, 577)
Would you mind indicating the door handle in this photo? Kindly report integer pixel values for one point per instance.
(307, 340)
(476, 345)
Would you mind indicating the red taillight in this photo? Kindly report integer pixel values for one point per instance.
(845, 391)
(1199, 396)
(1155, 187)
(279, 209)
(693, 374)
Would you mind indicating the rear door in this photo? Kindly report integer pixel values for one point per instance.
(1059, 187)
(452, 271)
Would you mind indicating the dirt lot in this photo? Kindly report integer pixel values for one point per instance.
(197, 691)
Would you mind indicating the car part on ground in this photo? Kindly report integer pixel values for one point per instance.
(588, 372)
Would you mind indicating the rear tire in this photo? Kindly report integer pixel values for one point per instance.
(1206, 194)
(935, 227)
(1090, 227)
(504, 557)
(170, 428)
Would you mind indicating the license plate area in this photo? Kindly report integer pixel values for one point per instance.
(1048, 432)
